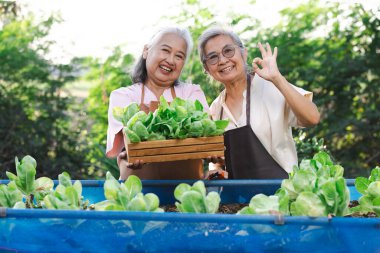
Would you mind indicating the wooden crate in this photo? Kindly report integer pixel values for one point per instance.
(174, 150)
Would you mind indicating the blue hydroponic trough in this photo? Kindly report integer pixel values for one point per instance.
(110, 231)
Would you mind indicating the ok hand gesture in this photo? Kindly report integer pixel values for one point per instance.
(269, 70)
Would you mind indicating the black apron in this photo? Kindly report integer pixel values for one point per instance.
(245, 155)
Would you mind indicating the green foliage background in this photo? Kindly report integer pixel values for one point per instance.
(339, 61)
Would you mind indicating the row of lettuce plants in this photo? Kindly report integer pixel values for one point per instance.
(315, 188)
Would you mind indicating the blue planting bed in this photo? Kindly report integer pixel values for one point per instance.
(111, 231)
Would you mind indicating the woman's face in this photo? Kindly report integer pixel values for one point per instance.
(227, 68)
(165, 59)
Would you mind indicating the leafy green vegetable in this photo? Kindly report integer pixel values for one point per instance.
(178, 120)
(262, 204)
(125, 114)
(370, 190)
(10, 195)
(127, 196)
(315, 188)
(33, 190)
(66, 196)
(193, 199)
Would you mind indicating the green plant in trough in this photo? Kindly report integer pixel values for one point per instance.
(262, 204)
(67, 196)
(33, 190)
(370, 190)
(193, 199)
(315, 188)
(127, 196)
(10, 196)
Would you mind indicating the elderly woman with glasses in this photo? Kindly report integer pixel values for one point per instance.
(156, 74)
(261, 106)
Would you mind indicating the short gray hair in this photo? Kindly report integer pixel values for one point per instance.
(212, 33)
(139, 72)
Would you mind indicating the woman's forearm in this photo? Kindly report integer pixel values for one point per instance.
(304, 109)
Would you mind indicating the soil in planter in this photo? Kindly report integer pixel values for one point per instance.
(354, 203)
(233, 208)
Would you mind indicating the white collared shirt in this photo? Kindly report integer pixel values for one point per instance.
(271, 119)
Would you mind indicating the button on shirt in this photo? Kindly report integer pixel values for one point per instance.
(271, 119)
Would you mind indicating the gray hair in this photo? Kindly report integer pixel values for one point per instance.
(212, 33)
(139, 72)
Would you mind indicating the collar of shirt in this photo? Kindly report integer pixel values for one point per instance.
(242, 121)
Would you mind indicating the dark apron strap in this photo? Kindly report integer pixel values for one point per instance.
(246, 157)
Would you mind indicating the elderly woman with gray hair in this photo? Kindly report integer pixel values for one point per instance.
(156, 74)
(262, 106)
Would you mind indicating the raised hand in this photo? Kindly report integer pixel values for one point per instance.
(268, 63)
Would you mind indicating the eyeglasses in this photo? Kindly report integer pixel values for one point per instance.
(228, 51)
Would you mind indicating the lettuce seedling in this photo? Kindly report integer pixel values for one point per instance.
(25, 181)
(370, 190)
(262, 204)
(66, 196)
(127, 196)
(10, 196)
(193, 199)
(315, 188)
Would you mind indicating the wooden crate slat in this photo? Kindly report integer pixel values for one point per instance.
(176, 149)
(176, 157)
(171, 143)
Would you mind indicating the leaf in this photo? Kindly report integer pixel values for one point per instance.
(118, 113)
(141, 130)
(212, 202)
(198, 105)
(129, 112)
(133, 185)
(180, 190)
(262, 204)
(375, 174)
(132, 136)
(199, 186)
(29, 160)
(72, 197)
(11, 176)
(43, 184)
(28, 177)
(288, 187)
(111, 187)
(376, 206)
(78, 188)
(209, 127)
(192, 202)
(304, 181)
(361, 184)
(323, 158)
(308, 204)
(137, 203)
(64, 179)
(374, 189)
(221, 124)
(246, 210)
(152, 201)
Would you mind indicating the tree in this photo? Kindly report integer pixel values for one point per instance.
(110, 75)
(35, 114)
